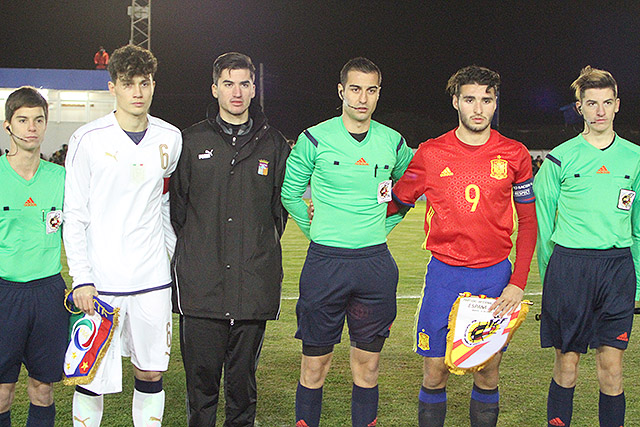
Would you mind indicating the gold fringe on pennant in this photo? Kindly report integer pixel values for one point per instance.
(66, 302)
(97, 304)
(453, 315)
(92, 373)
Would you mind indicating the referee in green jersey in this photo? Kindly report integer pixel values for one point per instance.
(588, 234)
(351, 162)
(33, 321)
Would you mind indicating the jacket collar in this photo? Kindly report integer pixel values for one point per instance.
(227, 128)
(257, 119)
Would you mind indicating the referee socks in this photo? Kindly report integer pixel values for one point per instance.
(559, 405)
(611, 410)
(308, 406)
(41, 416)
(5, 419)
(364, 406)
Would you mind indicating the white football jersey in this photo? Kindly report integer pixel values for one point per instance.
(117, 233)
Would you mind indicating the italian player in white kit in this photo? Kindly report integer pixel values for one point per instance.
(118, 237)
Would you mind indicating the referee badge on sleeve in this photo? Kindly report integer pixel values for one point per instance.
(625, 199)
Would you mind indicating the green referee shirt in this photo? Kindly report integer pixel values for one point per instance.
(348, 182)
(586, 199)
(30, 218)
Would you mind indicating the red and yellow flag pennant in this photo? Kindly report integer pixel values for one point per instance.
(475, 335)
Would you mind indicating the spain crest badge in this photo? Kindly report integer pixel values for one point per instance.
(423, 341)
(499, 168)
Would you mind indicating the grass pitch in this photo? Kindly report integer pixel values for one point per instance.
(525, 371)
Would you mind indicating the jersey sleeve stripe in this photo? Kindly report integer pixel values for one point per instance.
(400, 144)
(311, 138)
(553, 159)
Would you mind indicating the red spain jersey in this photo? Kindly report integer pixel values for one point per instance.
(470, 196)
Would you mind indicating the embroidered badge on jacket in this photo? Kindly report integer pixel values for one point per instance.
(263, 167)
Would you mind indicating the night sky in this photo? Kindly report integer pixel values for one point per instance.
(537, 47)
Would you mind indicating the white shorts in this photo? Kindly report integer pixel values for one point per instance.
(143, 333)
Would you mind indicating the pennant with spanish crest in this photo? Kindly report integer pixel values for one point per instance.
(475, 335)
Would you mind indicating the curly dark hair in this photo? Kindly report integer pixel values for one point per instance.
(473, 74)
(129, 61)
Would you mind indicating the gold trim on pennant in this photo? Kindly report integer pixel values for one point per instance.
(453, 315)
(100, 309)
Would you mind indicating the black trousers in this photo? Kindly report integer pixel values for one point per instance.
(208, 346)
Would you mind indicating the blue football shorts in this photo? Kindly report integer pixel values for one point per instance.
(443, 284)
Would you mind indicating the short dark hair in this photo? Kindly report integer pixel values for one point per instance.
(26, 96)
(129, 61)
(359, 64)
(473, 74)
(232, 61)
(593, 78)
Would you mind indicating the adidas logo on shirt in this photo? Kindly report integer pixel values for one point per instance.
(603, 169)
(446, 172)
(30, 202)
(362, 162)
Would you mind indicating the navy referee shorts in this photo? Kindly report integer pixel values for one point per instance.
(34, 326)
(588, 299)
(359, 284)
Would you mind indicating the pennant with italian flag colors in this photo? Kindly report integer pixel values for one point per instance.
(475, 335)
(89, 338)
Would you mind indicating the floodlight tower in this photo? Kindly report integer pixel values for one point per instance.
(140, 13)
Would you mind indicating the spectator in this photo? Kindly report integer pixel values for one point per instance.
(101, 59)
